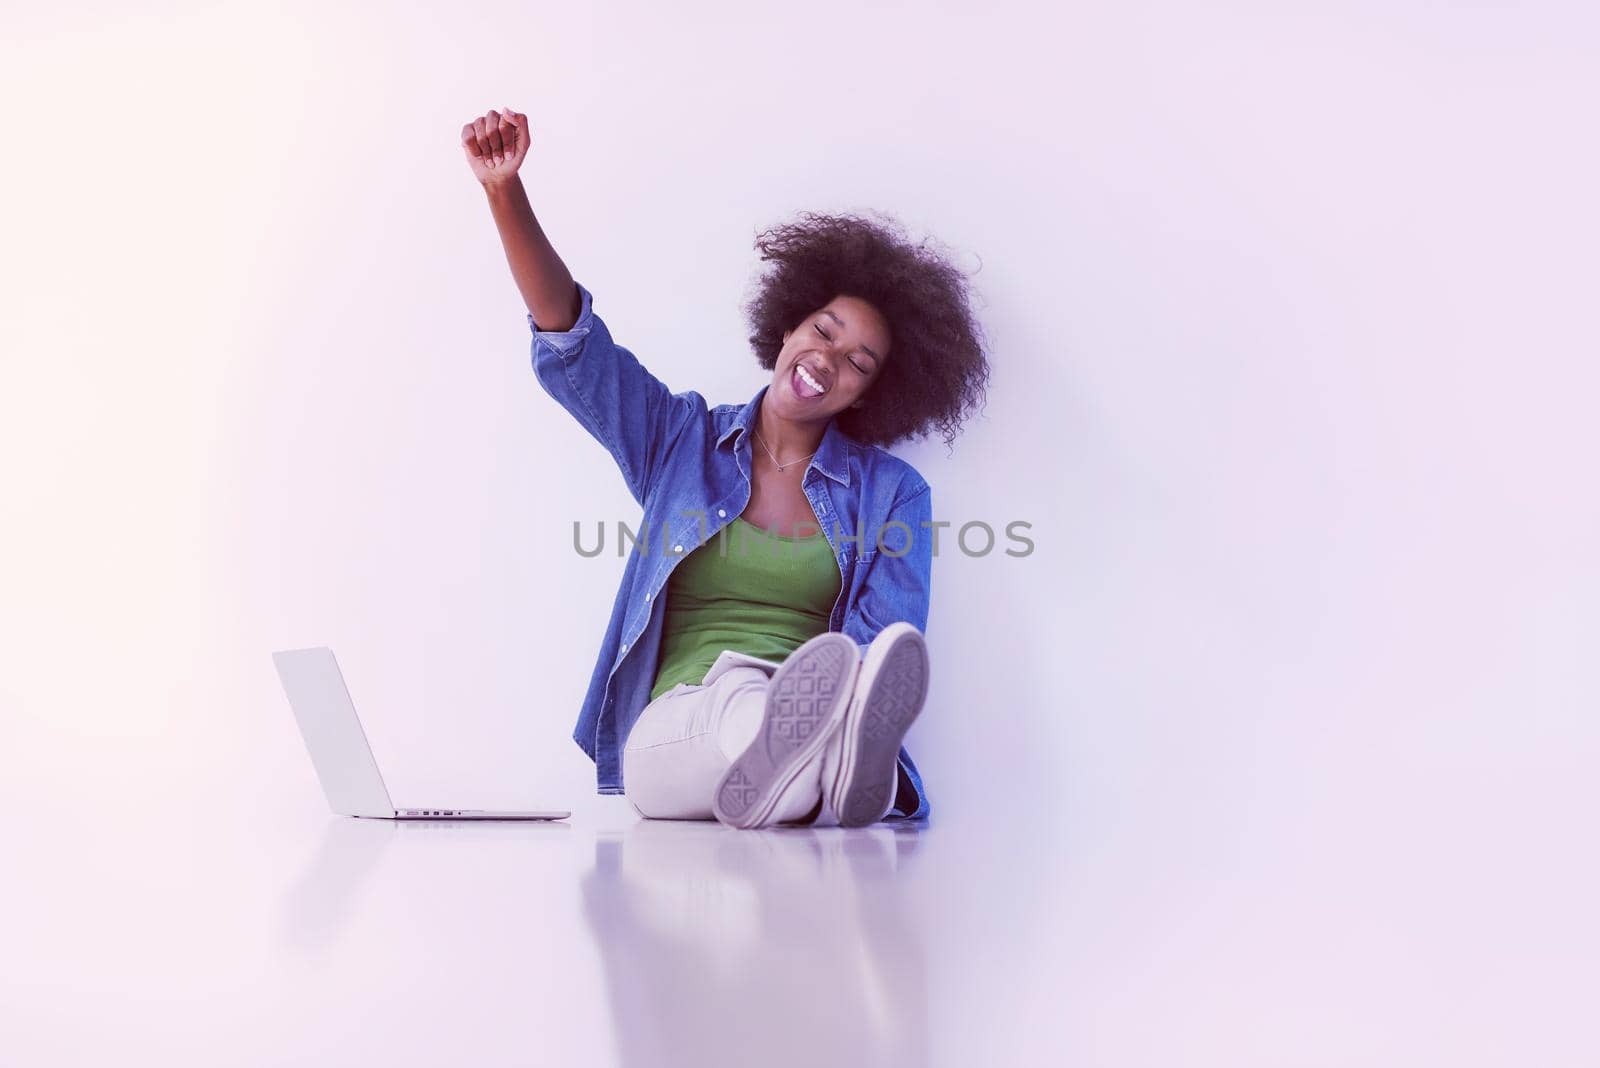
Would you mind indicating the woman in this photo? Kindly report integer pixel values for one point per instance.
(773, 679)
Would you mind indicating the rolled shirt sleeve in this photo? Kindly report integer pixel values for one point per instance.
(611, 394)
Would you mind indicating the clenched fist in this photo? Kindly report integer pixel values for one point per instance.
(496, 145)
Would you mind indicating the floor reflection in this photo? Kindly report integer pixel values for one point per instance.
(776, 947)
(330, 886)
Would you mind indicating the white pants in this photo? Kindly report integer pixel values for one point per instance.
(688, 737)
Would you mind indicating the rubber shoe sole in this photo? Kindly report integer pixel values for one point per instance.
(807, 698)
(890, 691)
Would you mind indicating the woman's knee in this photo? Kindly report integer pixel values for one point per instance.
(673, 781)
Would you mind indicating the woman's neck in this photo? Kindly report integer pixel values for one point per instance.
(789, 439)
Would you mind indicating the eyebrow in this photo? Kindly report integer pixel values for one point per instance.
(869, 352)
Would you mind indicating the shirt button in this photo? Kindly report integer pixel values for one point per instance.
(647, 598)
(624, 646)
(721, 513)
(677, 548)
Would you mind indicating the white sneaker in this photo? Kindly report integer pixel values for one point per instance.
(806, 700)
(860, 769)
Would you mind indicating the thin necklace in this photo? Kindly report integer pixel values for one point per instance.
(780, 467)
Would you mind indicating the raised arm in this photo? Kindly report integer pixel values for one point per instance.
(495, 145)
(599, 382)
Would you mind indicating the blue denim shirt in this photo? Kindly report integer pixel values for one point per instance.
(688, 465)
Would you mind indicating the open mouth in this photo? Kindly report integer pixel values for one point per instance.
(805, 386)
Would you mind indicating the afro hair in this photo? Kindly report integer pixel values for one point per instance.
(937, 368)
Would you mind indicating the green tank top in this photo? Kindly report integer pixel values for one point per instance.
(745, 589)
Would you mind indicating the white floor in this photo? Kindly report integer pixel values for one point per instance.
(180, 939)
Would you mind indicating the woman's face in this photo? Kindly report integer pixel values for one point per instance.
(841, 347)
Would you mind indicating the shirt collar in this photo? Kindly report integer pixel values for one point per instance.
(831, 454)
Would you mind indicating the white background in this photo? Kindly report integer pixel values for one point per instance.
(1291, 311)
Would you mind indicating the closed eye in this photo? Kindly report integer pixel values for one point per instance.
(824, 333)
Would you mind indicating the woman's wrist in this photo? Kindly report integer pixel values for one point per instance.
(499, 188)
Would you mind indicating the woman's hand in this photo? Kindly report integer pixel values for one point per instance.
(496, 145)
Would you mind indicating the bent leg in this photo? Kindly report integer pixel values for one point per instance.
(685, 740)
(675, 755)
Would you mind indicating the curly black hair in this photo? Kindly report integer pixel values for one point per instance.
(937, 368)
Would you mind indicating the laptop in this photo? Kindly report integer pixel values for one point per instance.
(339, 749)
